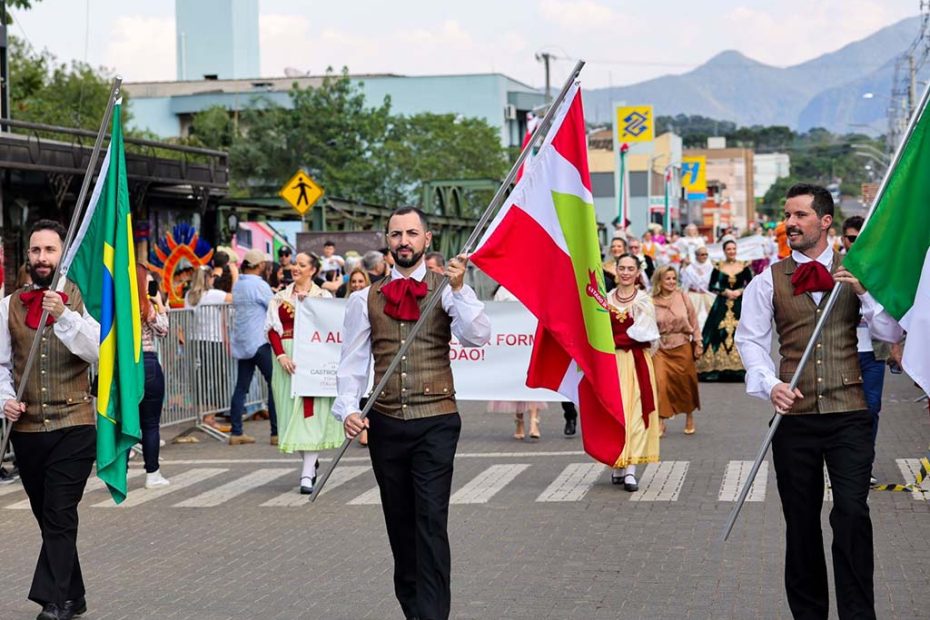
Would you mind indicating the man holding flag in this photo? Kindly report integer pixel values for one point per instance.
(53, 426)
(826, 418)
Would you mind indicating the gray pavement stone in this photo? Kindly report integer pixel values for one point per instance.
(601, 557)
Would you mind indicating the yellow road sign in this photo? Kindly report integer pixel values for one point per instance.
(634, 123)
(301, 192)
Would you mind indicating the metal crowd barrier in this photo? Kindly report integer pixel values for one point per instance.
(200, 372)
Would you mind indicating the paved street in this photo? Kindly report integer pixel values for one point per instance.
(537, 530)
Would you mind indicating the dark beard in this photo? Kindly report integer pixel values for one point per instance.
(41, 281)
(406, 263)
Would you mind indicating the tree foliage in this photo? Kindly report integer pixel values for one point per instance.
(43, 90)
(354, 151)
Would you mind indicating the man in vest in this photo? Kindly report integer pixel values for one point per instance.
(53, 426)
(414, 422)
(826, 416)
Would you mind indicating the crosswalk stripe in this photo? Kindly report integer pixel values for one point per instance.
(371, 497)
(661, 482)
(225, 492)
(909, 469)
(573, 483)
(734, 479)
(484, 486)
(181, 481)
(342, 475)
(13, 487)
(93, 484)
(827, 488)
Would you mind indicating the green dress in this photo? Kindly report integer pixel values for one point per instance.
(322, 430)
(721, 360)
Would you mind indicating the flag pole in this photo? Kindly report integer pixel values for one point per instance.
(61, 268)
(831, 301)
(433, 300)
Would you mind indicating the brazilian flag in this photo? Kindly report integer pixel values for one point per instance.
(103, 267)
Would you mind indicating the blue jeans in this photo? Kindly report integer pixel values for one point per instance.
(150, 410)
(246, 368)
(873, 381)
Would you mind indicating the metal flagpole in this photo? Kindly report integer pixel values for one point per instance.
(831, 301)
(475, 236)
(72, 229)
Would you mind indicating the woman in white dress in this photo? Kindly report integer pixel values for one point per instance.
(695, 281)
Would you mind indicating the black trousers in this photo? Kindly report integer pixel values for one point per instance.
(412, 461)
(54, 467)
(800, 447)
(568, 411)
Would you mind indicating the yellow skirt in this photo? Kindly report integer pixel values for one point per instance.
(642, 444)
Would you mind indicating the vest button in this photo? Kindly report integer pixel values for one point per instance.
(819, 361)
(403, 375)
(819, 379)
(403, 341)
(403, 325)
(404, 406)
(820, 396)
(403, 358)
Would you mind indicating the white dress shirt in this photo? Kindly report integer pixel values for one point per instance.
(470, 325)
(80, 333)
(754, 332)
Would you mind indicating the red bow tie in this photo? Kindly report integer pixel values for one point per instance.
(33, 302)
(402, 295)
(811, 277)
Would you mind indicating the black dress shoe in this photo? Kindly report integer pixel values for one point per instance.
(70, 609)
(632, 487)
(571, 426)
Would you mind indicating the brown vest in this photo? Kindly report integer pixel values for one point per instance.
(422, 385)
(831, 382)
(58, 393)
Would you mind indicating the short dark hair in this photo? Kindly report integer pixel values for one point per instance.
(823, 199)
(328, 243)
(49, 225)
(284, 250)
(405, 211)
(855, 222)
(437, 256)
(220, 259)
(724, 246)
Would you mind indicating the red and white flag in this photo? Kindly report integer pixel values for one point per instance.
(543, 247)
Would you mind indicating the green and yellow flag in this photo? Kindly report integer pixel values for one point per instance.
(103, 266)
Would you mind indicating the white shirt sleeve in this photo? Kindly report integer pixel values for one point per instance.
(7, 389)
(352, 373)
(882, 325)
(470, 325)
(754, 336)
(644, 327)
(80, 333)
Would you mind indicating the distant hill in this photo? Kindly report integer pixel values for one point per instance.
(825, 91)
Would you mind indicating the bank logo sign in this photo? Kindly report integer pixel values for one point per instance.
(634, 124)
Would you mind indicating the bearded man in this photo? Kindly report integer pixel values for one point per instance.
(826, 419)
(414, 422)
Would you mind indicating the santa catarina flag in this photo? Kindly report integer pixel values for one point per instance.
(102, 263)
(543, 247)
(891, 256)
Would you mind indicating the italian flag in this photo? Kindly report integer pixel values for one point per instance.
(891, 256)
(543, 247)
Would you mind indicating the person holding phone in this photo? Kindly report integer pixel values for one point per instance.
(154, 325)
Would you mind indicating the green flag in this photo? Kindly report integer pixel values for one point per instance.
(104, 269)
(891, 256)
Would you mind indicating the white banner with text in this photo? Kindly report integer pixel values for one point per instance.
(496, 371)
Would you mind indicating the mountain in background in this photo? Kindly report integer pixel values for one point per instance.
(823, 92)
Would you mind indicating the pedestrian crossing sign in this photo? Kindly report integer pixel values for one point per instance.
(301, 192)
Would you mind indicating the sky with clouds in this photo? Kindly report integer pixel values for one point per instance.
(623, 41)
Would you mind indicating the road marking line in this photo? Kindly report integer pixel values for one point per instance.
(734, 479)
(827, 489)
(234, 488)
(365, 459)
(484, 486)
(371, 497)
(13, 487)
(573, 483)
(661, 482)
(909, 469)
(181, 481)
(93, 484)
(293, 498)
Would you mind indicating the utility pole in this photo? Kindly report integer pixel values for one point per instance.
(912, 85)
(545, 57)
